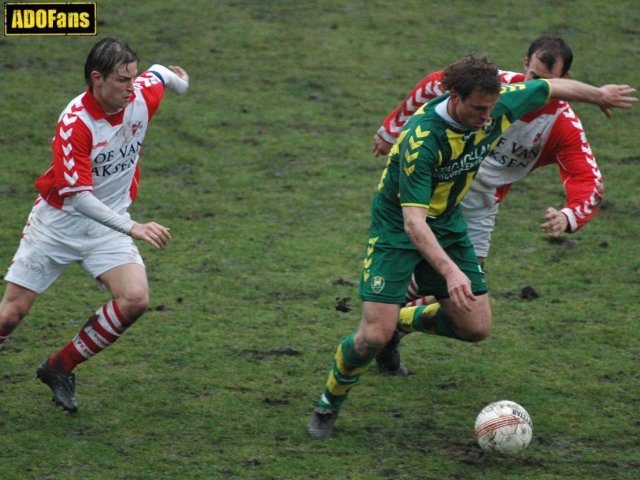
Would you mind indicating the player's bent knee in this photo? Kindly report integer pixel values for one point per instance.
(379, 340)
(376, 328)
(475, 330)
(475, 335)
(10, 317)
(8, 323)
(133, 304)
(370, 343)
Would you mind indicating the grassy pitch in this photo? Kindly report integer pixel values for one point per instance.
(263, 172)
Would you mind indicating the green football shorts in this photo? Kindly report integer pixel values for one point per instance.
(388, 269)
(431, 282)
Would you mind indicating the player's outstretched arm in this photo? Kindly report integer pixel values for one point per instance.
(606, 97)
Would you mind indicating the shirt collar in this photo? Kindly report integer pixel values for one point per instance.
(441, 109)
(97, 112)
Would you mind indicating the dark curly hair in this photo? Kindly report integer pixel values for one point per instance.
(470, 73)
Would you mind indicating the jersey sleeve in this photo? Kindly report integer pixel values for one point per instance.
(518, 99)
(72, 157)
(429, 87)
(152, 89)
(568, 147)
(511, 77)
(70, 171)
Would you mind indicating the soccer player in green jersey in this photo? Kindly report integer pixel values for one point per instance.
(416, 219)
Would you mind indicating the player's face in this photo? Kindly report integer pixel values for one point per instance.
(534, 69)
(114, 91)
(475, 111)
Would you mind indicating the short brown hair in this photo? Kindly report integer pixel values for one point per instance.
(551, 49)
(470, 73)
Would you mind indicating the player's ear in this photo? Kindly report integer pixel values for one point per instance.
(454, 96)
(526, 63)
(96, 78)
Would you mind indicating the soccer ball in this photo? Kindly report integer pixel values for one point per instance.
(503, 427)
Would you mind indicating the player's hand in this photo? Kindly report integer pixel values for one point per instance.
(616, 96)
(380, 146)
(459, 287)
(180, 72)
(556, 223)
(153, 233)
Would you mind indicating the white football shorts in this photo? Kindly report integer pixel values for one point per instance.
(480, 208)
(53, 239)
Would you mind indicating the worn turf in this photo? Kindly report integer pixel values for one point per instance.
(264, 173)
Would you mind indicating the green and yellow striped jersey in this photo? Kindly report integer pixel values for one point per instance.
(432, 165)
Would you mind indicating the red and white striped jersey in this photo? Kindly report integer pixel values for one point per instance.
(97, 152)
(552, 134)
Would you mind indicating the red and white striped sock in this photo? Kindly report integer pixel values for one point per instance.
(412, 290)
(412, 298)
(100, 331)
(418, 302)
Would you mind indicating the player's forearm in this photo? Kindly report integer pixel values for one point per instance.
(89, 206)
(584, 187)
(423, 238)
(572, 90)
(606, 96)
(579, 214)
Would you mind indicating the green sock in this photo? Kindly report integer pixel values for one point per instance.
(346, 371)
(427, 319)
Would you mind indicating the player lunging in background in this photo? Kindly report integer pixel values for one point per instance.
(416, 219)
(81, 214)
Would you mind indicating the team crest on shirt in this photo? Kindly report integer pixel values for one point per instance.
(489, 126)
(377, 284)
(537, 138)
(135, 127)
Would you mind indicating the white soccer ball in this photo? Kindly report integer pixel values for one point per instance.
(503, 427)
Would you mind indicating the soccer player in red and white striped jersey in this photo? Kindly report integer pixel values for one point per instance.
(81, 214)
